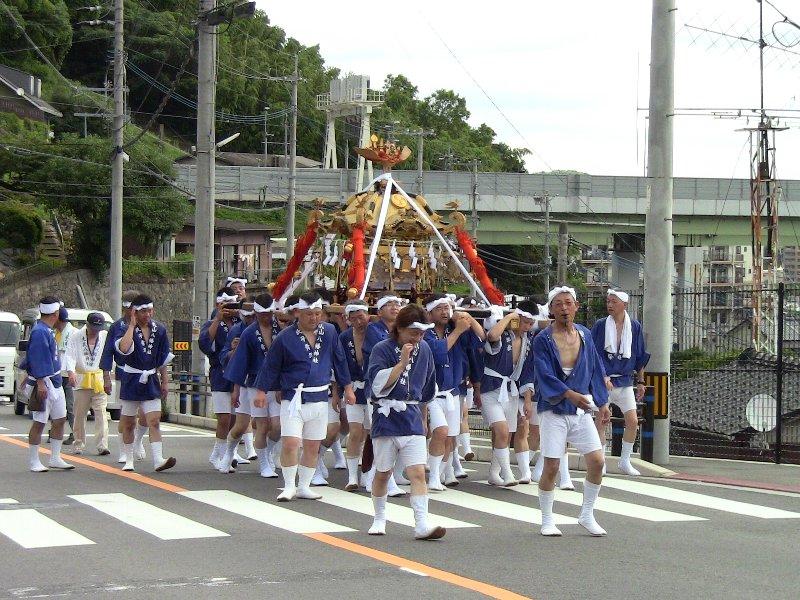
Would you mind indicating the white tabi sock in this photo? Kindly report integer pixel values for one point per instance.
(448, 474)
(367, 478)
(503, 459)
(565, 483)
(129, 457)
(625, 465)
(434, 462)
(261, 453)
(289, 477)
(464, 442)
(524, 465)
(232, 445)
(138, 436)
(55, 450)
(627, 449)
(218, 446)
(248, 444)
(399, 478)
(546, 506)
(455, 460)
(338, 455)
(304, 476)
(158, 457)
(379, 522)
(352, 471)
(538, 467)
(270, 449)
(34, 462)
(420, 506)
(586, 520)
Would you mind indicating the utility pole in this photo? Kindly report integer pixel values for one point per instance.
(658, 225)
(206, 191)
(563, 245)
(544, 201)
(115, 260)
(290, 205)
(266, 136)
(475, 218)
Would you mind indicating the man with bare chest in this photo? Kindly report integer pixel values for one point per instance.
(570, 387)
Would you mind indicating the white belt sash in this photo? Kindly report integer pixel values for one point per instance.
(390, 404)
(143, 374)
(503, 395)
(297, 400)
(592, 406)
(359, 384)
(450, 401)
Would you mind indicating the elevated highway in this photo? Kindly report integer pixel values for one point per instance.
(707, 211)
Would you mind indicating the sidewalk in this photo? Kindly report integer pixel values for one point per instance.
(759, 475)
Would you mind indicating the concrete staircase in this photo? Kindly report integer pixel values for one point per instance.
(51, 247)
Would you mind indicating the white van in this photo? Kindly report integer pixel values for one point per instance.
(10, 332)
(76, 316)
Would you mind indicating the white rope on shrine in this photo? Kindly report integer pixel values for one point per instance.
(373, 250)
(309, 266)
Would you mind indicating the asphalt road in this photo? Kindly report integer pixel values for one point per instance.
(194, 533)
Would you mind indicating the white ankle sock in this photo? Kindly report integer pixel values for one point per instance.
(627, 449)
(546, 506)
(590, 493)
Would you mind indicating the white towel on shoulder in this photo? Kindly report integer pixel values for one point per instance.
(619, 347)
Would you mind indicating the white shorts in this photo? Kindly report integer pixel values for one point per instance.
(534, 418)
(222, 402)
(310, 424)
(55, 406)
(359, 413)
(333, 415)
(623, 397)
(407, 450)
(246, 397)
(440, 416)
(557, 430)
(130, 408)
(494, 411)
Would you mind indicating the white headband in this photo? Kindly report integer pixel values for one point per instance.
(619, 294)
(126, 304)
(386, 299)
(351, 308)
(231, 280)
(245, 313)
(561, 290)
(495, 316)
(544, 312)
(438, 302)
(303, 305)
(421, 326)
(142, 306)
(49, 309)
(223, 297)
(525, 314)
(264, 309)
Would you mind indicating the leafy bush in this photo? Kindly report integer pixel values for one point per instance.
(22, 227)
(136, 268)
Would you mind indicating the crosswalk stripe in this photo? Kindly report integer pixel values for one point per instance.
(264, 512)
(156, 521)
(395, 513)
(700, 500)
(617, 507)
(31, 529)
(8, 501)
(500, 508)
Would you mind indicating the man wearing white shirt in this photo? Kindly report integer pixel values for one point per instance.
(82, 363)
(63, 331)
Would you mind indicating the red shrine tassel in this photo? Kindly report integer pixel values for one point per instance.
(467, 246)
(301, 246)
(355, 278)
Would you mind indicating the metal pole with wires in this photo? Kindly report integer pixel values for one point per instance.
(291, 204)
(544, 201)
(117, 181)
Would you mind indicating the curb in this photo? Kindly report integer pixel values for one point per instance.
(576, 463)
(758, 485)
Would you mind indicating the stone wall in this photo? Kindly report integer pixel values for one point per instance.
(173, 299)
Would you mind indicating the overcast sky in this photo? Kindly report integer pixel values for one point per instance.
(569, 75)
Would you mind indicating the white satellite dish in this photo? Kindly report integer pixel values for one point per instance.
(760, 412)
